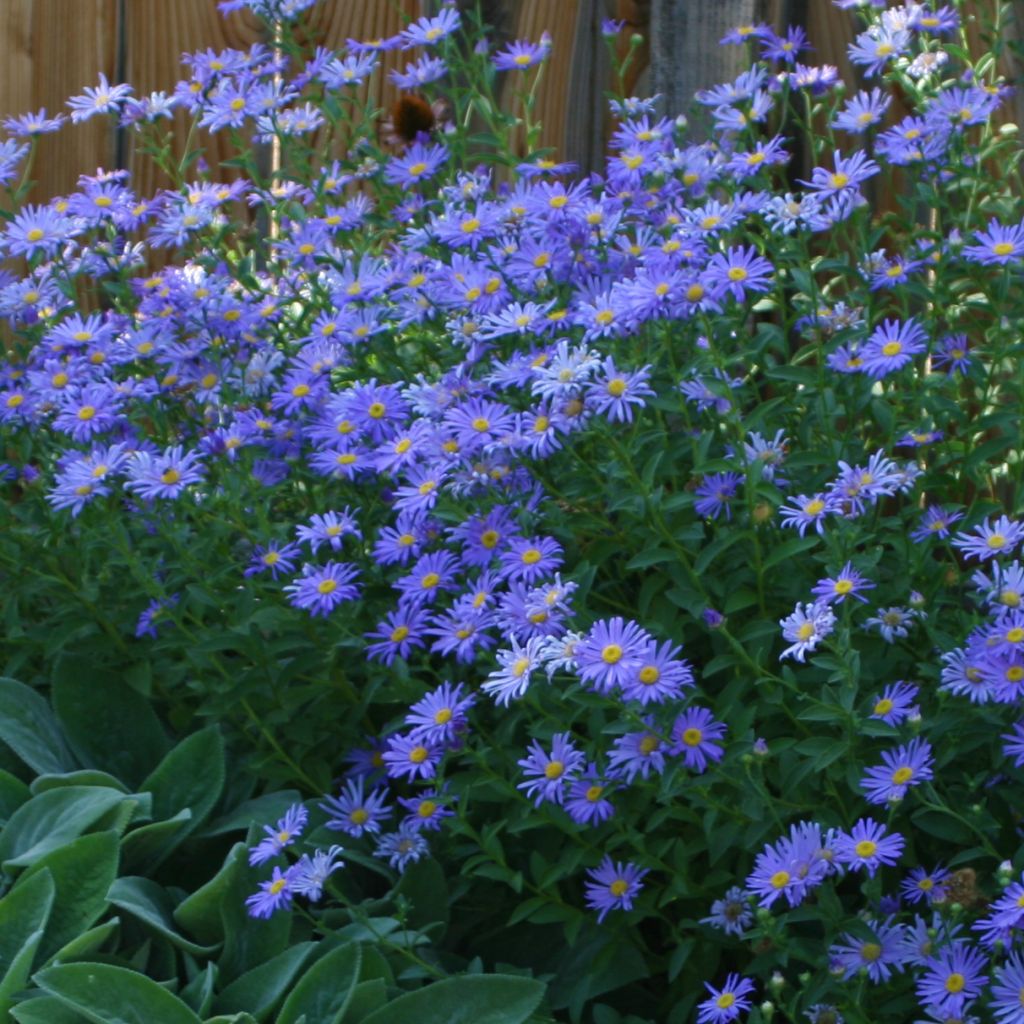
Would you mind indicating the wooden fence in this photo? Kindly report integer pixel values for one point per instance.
(53, 48)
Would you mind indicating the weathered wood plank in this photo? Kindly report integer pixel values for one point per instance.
(48, 57)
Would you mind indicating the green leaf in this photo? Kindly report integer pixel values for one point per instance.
(259, 990)
(50, 820)
(83, 871)
(151, 904)
(789, 549)
(114, 995)
(146, 847)
(471, 999)
(367, 996)
(198, 993)
(231, 1018)
(248, 941)
(82, 777)
(258, 811)
(46, 1010)
(13, 793)
(190, 776)
(200, 913)
(19, 970)
(23, 911)
(323, 992)
(425, 886)
(29, 728)
(108, 724)
(84, 946)
(720, 544)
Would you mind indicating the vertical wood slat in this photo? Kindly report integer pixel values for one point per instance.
(48, 57)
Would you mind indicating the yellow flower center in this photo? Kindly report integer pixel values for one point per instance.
(737, 274)
(611, 654)
(300, 390)
(480, 424)
(170, 476)
(87, 412)
(1015, 635)
(430, 580)
(531, 556)
(843, 586)
(376, 410)
(649, 744)
(902, 775)
(520, 666)
(34, 234)
(327, 586)
(426, 808)
(870, 952)
(806, 631)
(695, 293)
(418, 754)
(399, 633)
(884, 706)
(276, 887)
(1002, 248)
(649, 675)
(616, 387)
(692, 737)
(593, 794)
(997, 540)
(470, 225)
(553, 770)
(725, 1000)
(443, 716)
(866, 848)
(605, 317)
(955, 982)
(360, 816)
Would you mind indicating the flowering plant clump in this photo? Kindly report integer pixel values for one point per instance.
(639, 552)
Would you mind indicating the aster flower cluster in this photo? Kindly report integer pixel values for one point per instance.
(463, 460)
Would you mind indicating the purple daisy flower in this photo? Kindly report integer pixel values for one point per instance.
(878, 956)
(935, 522)
(613, 393)
(954, 977)
(637, 753)
(792, 866)
(440, 716)
(355, 811)
(283, 834)
(1000, 244)
(891, 346)
(611, 653)
(848, 175)
(661, 676)
(411, 757)
(907, 765)
(867, 846)
(847, 583)
(727, 1003)
(922, 885)
(310, 874)
(731, 914)
(612, 885)
(990, 539)
(715, 493)
(808, 510)
(520, 55)
(547, 774)
(320, 589)
(399, 633)
(163, 476)
(426, 810)
(1007, 993)
(695, 736)
(402, 848)
(275, 558)
(740, 271)
(275, 894)
(895, 704)
(586, 802)
(809, 624)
